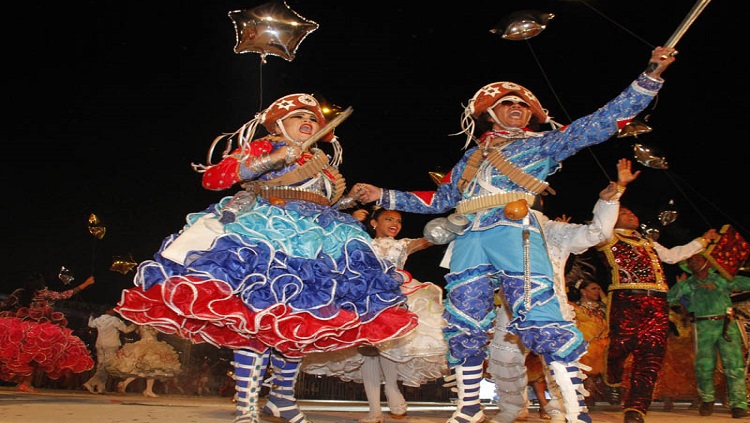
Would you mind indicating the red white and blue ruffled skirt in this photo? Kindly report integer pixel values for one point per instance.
(298, 278)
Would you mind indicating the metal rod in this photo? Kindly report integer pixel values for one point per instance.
(680, 31)
(689, 19)
(327, 128)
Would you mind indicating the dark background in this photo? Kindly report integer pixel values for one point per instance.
(108, 103)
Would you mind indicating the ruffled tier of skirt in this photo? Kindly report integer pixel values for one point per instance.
(297, 277)
(420, 356)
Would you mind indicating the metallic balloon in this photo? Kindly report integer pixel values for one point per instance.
(634, 128)
(437, 177)
(522, 25)
(123, 264)
(669, 215)
(65, 275)
(271, 28)
(96, 228)
(650, 157)
(436, 231)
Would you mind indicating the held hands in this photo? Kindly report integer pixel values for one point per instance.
(365, 193)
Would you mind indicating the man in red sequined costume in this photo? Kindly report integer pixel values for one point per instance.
(639, 313)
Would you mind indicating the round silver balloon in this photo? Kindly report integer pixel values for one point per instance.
(667, 216)
(522, 25)
(650, 157)
(65, 275)
(436, 231)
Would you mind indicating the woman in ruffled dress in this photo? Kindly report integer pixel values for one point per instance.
(34, 338)
(147, 358)
(276, 271)
(415, 359)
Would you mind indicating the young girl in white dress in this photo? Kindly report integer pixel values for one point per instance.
(147, 358)
(413, 359)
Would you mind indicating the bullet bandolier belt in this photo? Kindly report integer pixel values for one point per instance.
(492, 200)
(278, 187)
(293, 194)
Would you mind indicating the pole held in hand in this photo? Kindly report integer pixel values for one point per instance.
(682, 28)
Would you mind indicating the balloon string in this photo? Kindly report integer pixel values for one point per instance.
(616, 24)
(559, 102)
(260, 83)
(93, 256)
(736, 224)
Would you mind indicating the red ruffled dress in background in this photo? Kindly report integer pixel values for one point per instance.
(37, 337)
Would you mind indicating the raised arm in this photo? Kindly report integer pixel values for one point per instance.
(625, 175)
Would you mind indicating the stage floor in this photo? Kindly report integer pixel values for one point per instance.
(64, 406)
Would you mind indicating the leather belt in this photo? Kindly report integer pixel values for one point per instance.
(720, 317)
(644, 292)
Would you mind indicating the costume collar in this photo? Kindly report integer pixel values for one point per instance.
(504, 136)
(631, 236)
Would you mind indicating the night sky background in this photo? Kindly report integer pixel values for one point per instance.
(108, 103)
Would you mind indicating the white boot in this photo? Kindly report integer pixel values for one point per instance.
(507, 365)
(249, 369)
(569, 379)
(468, 377)
(281, 402)
(555, 407)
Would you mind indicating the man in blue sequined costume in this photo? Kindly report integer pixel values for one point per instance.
(502, 247)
